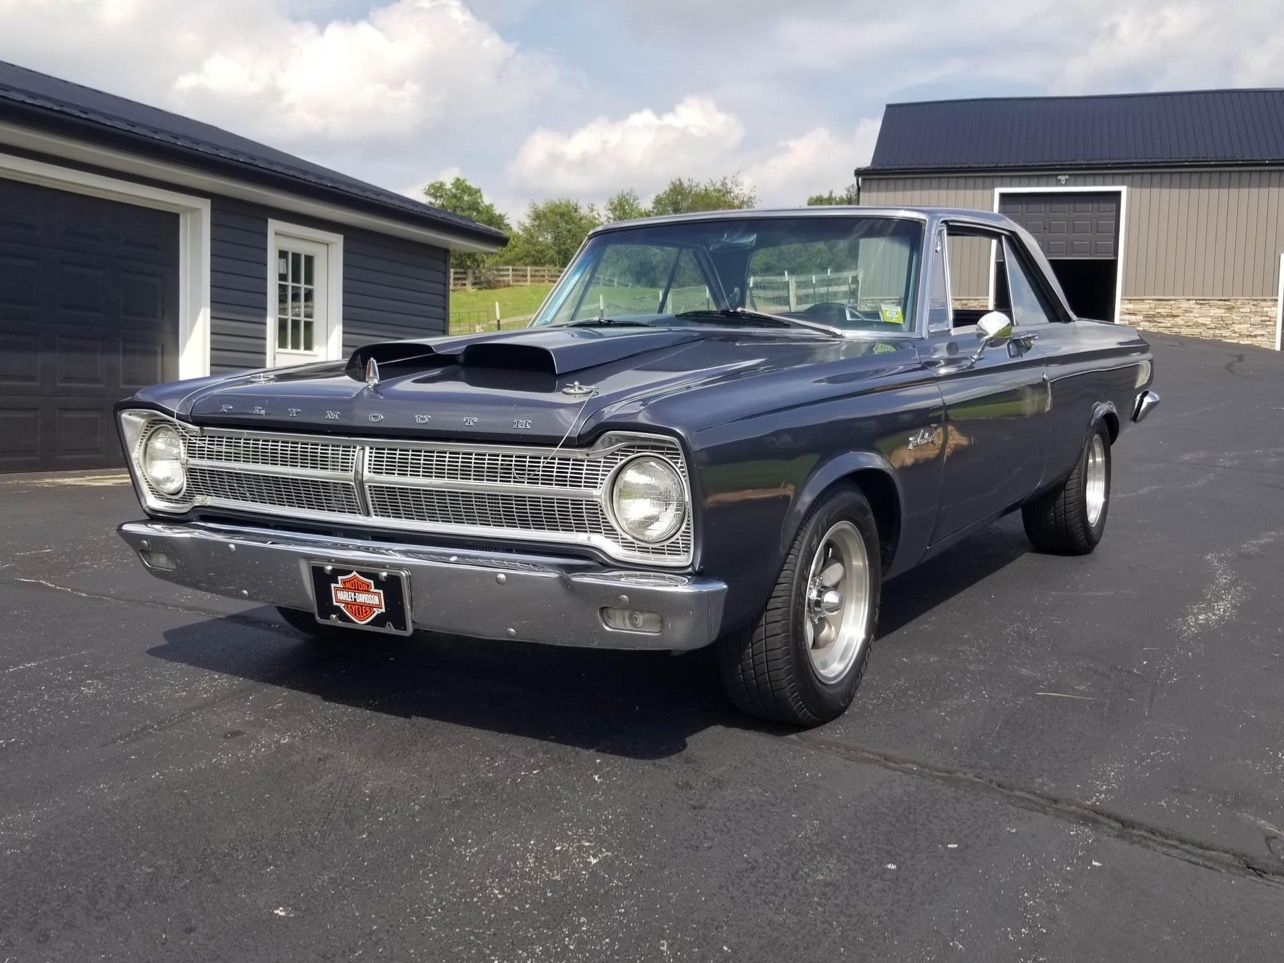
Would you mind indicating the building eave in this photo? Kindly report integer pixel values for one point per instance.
(119, 149)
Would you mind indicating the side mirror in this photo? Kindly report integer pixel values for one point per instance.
(994, 329)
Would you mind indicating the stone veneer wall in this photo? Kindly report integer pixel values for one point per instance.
(1243, 320)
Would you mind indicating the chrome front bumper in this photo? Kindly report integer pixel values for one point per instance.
(490, 595)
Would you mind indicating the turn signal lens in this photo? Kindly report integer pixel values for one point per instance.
(648, 499)
(162, 460)
(627, 620)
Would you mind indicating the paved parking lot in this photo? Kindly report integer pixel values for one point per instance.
(1050, 758)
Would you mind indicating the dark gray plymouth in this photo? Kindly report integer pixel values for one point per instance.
(722, 429)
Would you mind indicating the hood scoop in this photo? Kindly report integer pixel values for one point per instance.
(551, 351)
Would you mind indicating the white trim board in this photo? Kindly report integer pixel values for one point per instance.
(333, 244)
(193, 243)
(1119, 189)
(1279, 310)
(191, 179)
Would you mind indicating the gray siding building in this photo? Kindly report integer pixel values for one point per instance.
(1164, 211)
(138, 246)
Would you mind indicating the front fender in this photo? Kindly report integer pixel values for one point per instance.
(823, 478)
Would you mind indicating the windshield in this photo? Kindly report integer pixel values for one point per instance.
(852, 273)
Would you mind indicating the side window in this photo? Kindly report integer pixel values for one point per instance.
(971, 254)
(1028, 303)
(938, 293)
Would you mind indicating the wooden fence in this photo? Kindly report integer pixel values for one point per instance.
(502, 276)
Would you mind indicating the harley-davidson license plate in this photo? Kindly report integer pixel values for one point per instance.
(357, 598)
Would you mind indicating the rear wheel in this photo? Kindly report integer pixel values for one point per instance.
(803, 658)
(1070, 519)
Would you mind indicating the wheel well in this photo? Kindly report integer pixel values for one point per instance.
(1111, 421)
(883, 498)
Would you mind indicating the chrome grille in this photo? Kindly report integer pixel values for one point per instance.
(273, 491)
(273, 452)
(553, 495)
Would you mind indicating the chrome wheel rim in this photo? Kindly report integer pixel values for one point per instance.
(836, 602)
(1095, 480)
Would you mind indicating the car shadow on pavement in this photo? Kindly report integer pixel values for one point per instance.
(642, 705)
(951, 573)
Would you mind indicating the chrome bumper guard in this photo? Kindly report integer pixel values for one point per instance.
(490, 595)
(1147, 401)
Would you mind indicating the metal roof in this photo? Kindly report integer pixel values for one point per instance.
(39, 100)
(1184, 129)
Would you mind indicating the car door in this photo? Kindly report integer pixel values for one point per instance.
(997, 401)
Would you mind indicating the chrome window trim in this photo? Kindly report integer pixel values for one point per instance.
(361, 481)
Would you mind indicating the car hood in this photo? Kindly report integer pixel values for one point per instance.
(539, 385)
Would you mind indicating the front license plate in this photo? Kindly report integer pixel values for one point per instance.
(358, 598)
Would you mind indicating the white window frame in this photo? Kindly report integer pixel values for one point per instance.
(333, 244)
(193, 243)
(1119, 189)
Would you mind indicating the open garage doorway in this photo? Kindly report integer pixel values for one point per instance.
(1080, 231)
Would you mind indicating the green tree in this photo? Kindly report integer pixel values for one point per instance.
(552, 232)
(624, 206)
(462, 197)
(685, 195)
(849, 196)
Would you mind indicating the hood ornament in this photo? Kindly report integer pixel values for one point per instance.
(262, 378)
(372, 373)
(577, 390)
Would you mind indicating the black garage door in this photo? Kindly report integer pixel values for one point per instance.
(1067, 225)
(88, 313)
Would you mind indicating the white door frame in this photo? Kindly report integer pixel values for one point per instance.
(333, 244)
(193, 243)
(1119, 189)
(1279, 310)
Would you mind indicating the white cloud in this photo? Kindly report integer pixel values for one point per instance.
(816, 162)
(642, 151)
(252, 66)
(697, 138)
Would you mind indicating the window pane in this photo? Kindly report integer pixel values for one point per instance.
(283, 332)
(308, 263)
(282, 266)
(307, 335)
(296, 301)
(690, 290)
(1027, 305)
(938, 299)
(296, 266)
(309, 296)
(629, 280)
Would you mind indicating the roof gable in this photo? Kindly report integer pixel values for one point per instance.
(1196, 128)
(29, 97)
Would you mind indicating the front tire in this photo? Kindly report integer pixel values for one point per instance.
(803, 658)
(1070, 519)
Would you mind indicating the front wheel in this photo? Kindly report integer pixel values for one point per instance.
(803, 658)
(1070, 519)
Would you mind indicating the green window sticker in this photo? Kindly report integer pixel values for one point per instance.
(891, 314)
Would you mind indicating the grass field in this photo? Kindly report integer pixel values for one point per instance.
(471, 309)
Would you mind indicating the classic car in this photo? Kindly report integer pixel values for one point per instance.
(722, 429)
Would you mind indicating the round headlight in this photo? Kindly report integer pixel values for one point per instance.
(648, 499)
(162, 460)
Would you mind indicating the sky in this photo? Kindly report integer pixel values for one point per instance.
(531, 99)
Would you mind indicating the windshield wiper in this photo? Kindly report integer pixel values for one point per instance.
(606, 323)
(778, 319)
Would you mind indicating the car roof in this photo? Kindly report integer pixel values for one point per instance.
(825, 210)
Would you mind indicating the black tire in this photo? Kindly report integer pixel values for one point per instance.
(1061, 521)
(767, 668)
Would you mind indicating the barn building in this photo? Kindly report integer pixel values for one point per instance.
(1164, 210)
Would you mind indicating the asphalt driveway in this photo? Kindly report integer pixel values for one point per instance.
(1050, 758)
